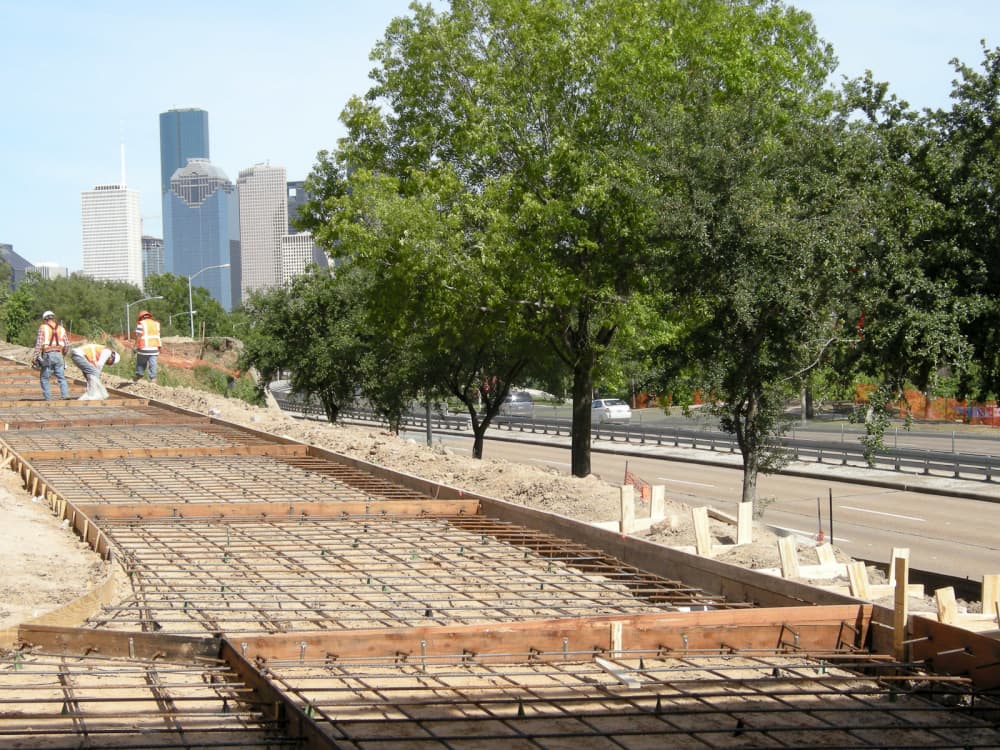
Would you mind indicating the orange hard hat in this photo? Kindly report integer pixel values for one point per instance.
(143, 314)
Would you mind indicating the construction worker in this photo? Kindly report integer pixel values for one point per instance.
(147, 345)
(91, 358)
(51, 345)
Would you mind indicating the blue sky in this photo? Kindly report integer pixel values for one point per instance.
(80, 77)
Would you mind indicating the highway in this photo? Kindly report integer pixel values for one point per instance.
(948, 535)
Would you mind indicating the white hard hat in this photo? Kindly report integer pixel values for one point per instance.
(113, 358)
(48, 314)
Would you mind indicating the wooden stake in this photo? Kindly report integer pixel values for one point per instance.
(897, 552)
(991, 593)
(946, 605)
(627, 524)
(657, 504)
(702, 535)
(901, 574)
(858, 574)
(789, 554)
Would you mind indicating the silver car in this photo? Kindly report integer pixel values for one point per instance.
(610, 410)
(517, 404)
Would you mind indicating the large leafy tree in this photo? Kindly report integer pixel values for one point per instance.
(763, 221)
(964, 168)
(545, 111)
(312, 329)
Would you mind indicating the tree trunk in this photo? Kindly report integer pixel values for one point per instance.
(749, 481)
(479, 436)
(580, 442)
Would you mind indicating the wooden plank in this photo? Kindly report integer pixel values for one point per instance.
(625, 676)
(789, 556)
(897, 552)
(991, 592)
(702, 535)
(277, 705)
(117, 643)
(858, 574)
(657, 504)
(817, 627)
(826, 554)
(947, 608)
(627, 503)
(236, 510)
(901, 574)
(947, 649)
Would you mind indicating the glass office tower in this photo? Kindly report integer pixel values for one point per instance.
(205, 227)
(183, 136)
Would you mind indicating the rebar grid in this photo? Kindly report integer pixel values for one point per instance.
(55, 702)
(627, 699)
(192, 576)
(200, 435)
(74, 414)
(188, 480)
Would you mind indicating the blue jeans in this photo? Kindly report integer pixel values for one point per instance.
(144, 363)
(53, 364)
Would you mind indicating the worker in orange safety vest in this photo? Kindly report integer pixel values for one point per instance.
(147, 345)
(51, 345)
(91, 358)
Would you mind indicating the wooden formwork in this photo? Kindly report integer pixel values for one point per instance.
(348, 605)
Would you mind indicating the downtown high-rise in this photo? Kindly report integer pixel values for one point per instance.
(200, 207)
(112, 234)
(204, 227)
(263, 222)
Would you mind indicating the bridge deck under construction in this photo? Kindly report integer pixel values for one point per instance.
(280, 595)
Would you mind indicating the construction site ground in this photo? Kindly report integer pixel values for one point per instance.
(219, 613)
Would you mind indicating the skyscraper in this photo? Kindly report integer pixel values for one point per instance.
(204, 225)
(18, 265)
(152, 256)
(112, 234)
(183, 136)
(263, 222)
(297, 196)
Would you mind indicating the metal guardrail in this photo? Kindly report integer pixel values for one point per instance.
(971, 466)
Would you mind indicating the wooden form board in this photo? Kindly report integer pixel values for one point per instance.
(794, 628)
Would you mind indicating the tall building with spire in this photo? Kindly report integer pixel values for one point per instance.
(263, 222)
(112, 234)
(203, 207)
(183, 136)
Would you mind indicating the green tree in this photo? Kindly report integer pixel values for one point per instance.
(209, 316)
(546, 111)
(762, 223)
(963, 165)
(312, 330)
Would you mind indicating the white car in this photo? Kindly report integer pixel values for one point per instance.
(604, 410)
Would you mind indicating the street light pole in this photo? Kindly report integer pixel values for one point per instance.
(190, 301)
(128, 320)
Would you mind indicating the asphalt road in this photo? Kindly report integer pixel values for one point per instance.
(950, 535)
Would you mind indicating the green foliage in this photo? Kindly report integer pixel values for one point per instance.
(314, 331)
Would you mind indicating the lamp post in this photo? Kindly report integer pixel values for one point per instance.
(190, 302)
(170, 318)
(128, 320)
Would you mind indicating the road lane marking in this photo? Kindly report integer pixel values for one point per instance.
(681, 481)
(543, 461)
(880, 513)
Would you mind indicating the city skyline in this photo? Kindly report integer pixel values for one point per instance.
(101, 77)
